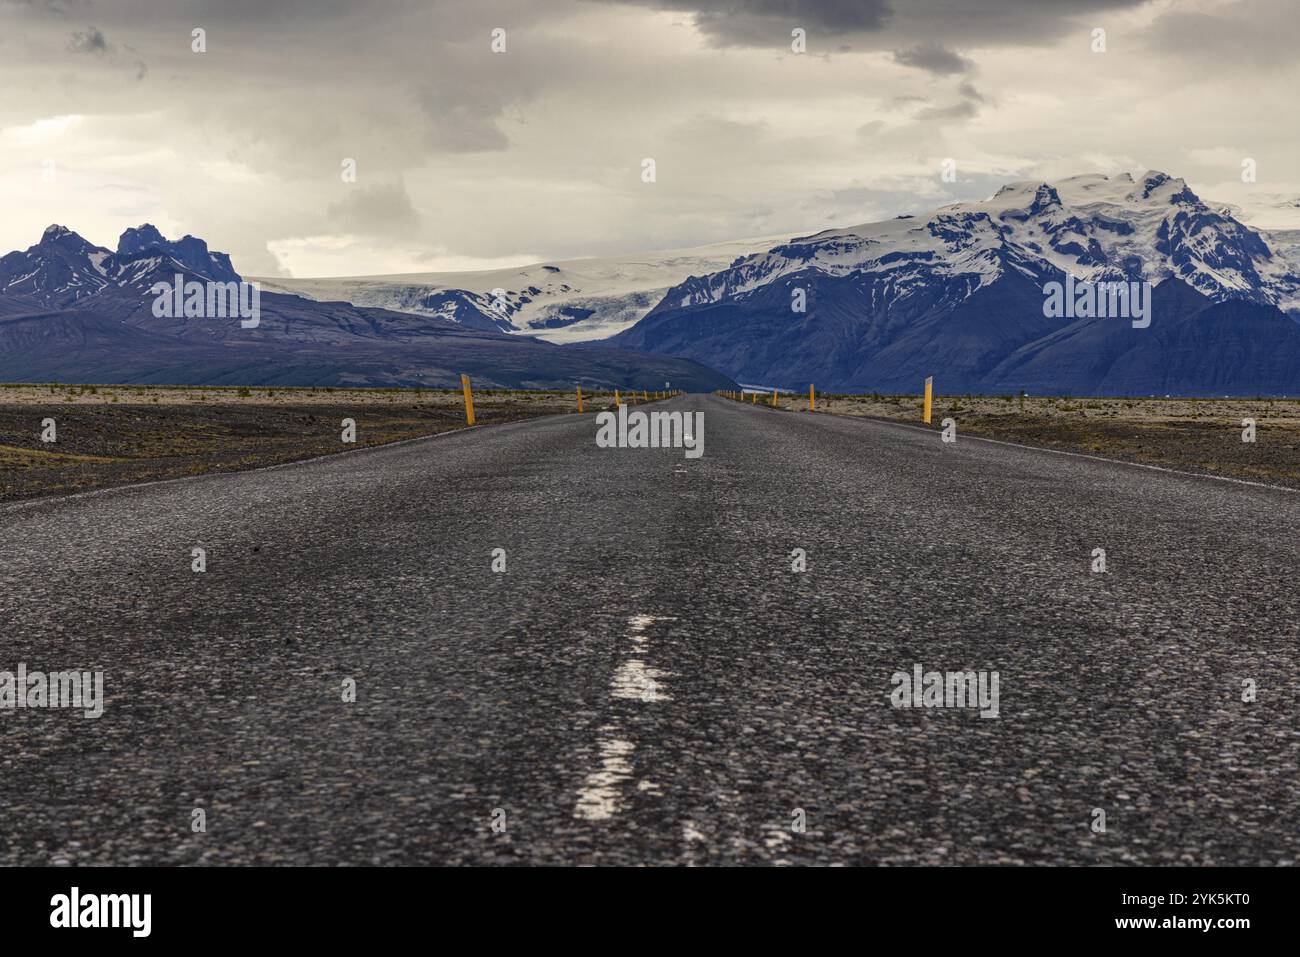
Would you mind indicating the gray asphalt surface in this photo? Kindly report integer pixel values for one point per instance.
(649, 682)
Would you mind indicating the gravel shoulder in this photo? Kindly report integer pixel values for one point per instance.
(1191, 435)
(108, 436)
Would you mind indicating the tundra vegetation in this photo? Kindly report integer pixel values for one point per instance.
(116, 435)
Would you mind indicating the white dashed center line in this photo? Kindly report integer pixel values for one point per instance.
(633, 680)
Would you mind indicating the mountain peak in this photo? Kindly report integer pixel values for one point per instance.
(1174, 189)
(189, 251)
(137, 239)
(55, 233)
(65, 241)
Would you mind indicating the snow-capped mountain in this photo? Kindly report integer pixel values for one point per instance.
(64, 269)
(74, 311)
(58, 271)
(960, 293)
(189, 251)
(1093, 227)
(560, 301)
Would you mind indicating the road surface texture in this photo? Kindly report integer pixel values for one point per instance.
(649, 681)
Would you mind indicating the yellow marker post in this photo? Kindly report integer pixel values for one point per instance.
(774, 398)
(812, 399)
(469, 399)
(929, 396)
(616, 398)
(579, 398)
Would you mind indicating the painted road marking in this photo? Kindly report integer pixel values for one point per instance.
(600, 796)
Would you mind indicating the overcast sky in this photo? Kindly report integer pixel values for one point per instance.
(466, 158)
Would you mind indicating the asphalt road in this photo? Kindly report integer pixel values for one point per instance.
(648, 681)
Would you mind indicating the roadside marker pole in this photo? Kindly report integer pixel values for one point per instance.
(645, 395)
(469, 399)
(774, 398)
(929, 395)
(616, 398)
(579, 398)
(812, 399)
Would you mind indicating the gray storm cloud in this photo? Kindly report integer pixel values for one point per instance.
(768, 22)
(933, 58)
(88, 41)
(383, 209)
